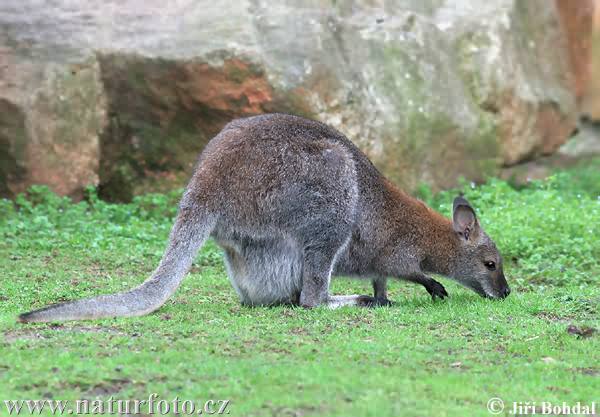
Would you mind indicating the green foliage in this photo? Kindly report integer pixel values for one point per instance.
(41, 219)
(416, 358)
(582, 179)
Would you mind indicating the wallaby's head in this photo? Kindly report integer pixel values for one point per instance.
(478, 264)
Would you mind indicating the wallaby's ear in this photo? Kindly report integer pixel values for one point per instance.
(464, 218)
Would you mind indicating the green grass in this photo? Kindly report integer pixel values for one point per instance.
(418, 358)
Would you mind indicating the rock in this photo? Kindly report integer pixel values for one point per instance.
(584, 145)
(66, 116)
(50, 121)
(12, 144)
(577, 19)
(166, 110)
(591, 96)
(125, 96)
(581, 331)
(580, 150)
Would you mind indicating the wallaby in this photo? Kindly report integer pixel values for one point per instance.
(292, 202)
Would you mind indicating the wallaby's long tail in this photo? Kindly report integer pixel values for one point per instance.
(189, 233)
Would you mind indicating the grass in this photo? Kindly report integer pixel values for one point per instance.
(418, 358)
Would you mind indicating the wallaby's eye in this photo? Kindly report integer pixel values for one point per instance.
(491, 265)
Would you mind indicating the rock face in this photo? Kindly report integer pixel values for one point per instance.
(124, 95)
(577, 19)
(591, 95)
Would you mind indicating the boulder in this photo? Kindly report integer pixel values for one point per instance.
(577, 20)
(51, 117)
(125, 95)
(591, 94)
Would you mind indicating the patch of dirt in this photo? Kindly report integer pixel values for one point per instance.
(33, 334)
(581, 331)
(299, 331)
(552, 317)
(14, 335)
(102, 389)
(357, 321)
(387, 362)
(558, 389)
(279, 350)
(109, 387)
(459, 366)
(593, 371)
(302, 410)
(32, 387)
(289, 312)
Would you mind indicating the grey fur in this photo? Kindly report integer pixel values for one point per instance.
(292, 202)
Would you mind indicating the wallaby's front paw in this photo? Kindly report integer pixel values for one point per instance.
(436, 290)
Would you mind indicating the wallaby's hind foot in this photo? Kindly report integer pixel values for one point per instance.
(381, 302)
(336, 301)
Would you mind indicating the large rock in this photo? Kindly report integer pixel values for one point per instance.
(126, 94)
(51, 116)
(577, 19)
(591, 94)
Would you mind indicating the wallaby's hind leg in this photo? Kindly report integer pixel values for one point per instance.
(320, 252)
(316, 276)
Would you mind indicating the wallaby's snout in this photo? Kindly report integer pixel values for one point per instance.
(503, 290)
(479, 264)
(498, 287)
